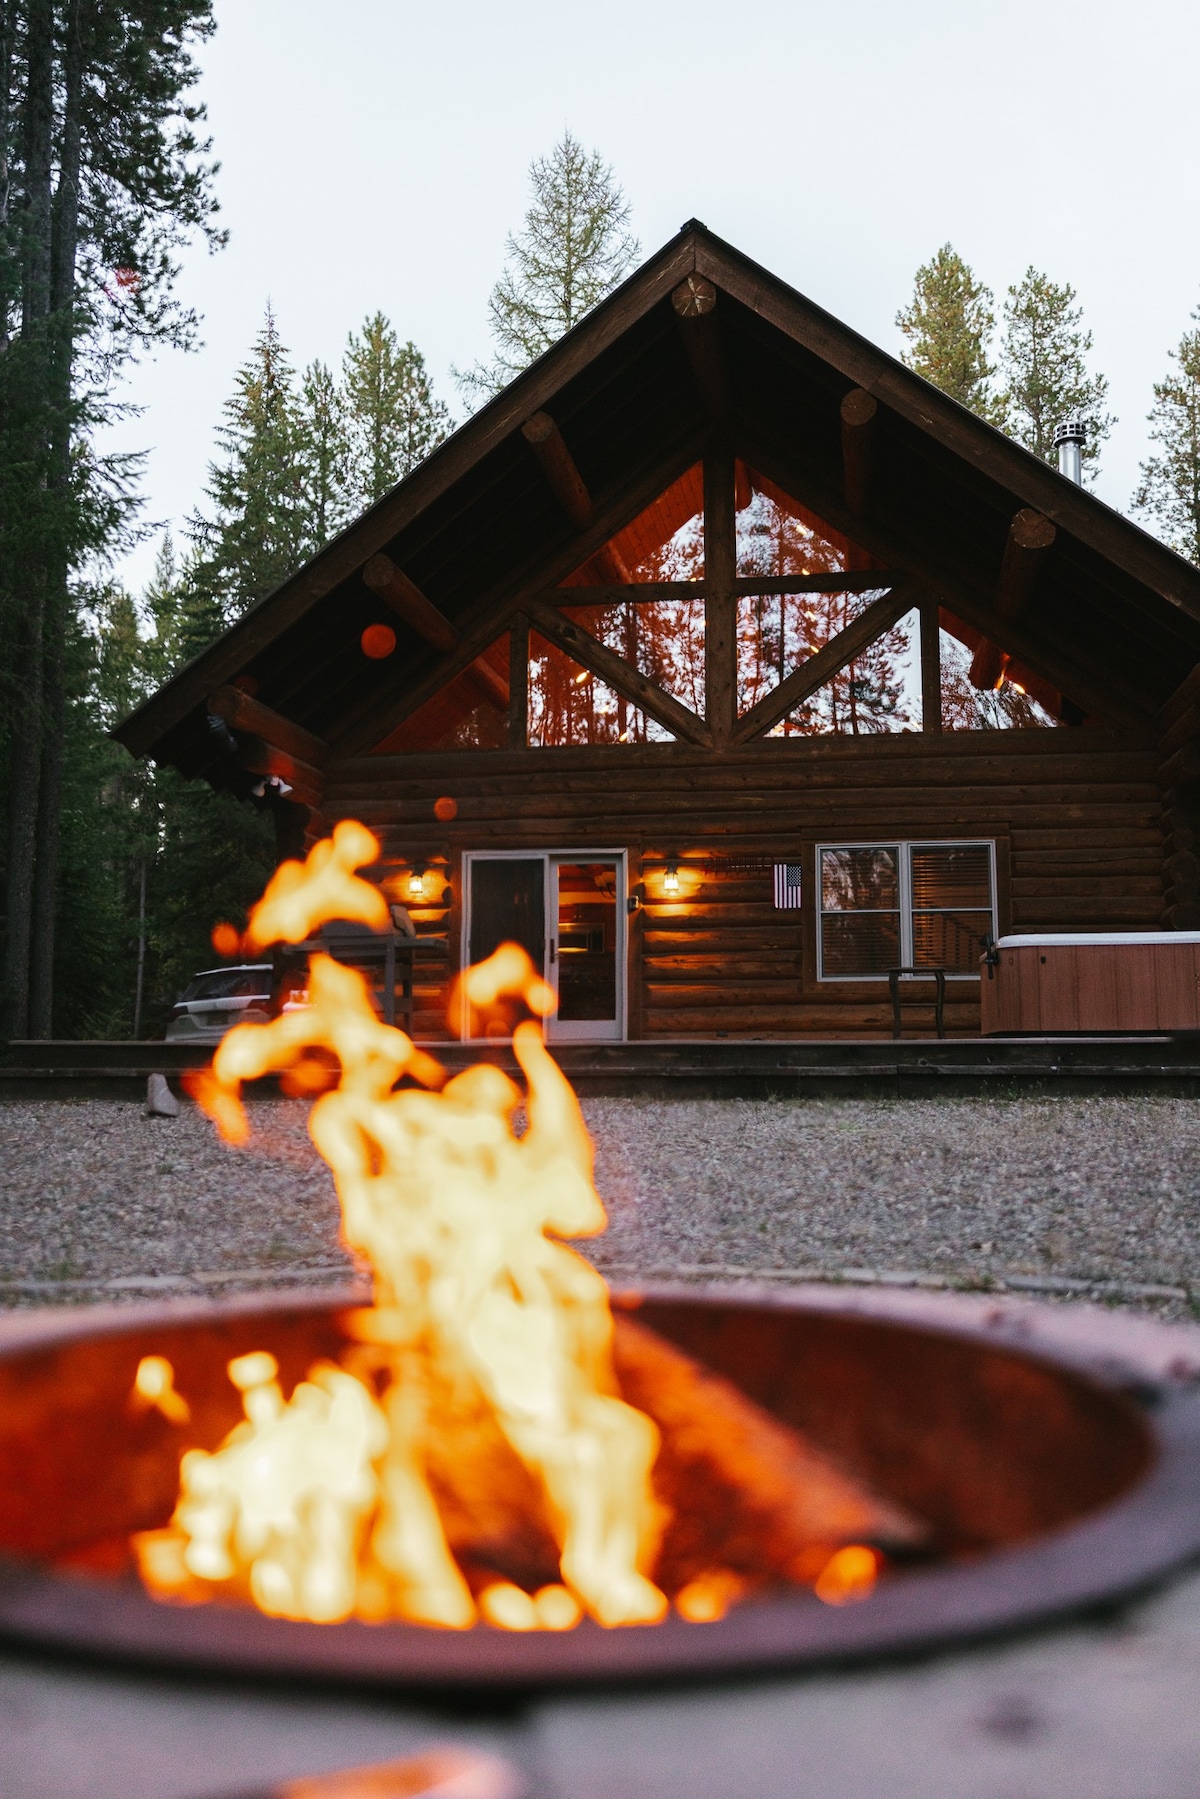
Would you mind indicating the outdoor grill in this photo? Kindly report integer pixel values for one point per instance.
(1051, 1475)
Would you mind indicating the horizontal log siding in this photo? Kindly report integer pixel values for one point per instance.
(1075, 813)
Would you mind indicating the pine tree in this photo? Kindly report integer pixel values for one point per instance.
(258, 534)
(323, 455)
(102, 177)
(573, 250)
(1043, 368)
(1169, 491)
(393, 419)
(949, 324)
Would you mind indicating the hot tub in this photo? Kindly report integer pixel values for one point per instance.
(1097, 982)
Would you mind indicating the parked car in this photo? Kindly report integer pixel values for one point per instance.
(213, 1002)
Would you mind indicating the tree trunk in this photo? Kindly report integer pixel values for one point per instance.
(7, 22)
(46, 842)
(141, 953)
(64, 243)
(30, 578)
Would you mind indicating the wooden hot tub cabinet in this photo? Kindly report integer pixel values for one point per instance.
(1125, 981)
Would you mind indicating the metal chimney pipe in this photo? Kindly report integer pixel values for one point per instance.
(1069, 439)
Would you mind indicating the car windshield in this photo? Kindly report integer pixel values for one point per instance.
(231, 983)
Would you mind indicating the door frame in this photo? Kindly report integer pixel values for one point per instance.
(572, 1033)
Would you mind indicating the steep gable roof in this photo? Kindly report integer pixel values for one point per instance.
(477, 527)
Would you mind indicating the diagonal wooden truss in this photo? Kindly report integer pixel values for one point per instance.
(539, 602)
(541, 606)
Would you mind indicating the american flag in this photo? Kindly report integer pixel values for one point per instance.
(787, 885)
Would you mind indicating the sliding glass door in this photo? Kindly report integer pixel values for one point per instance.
(586, 949)
(567, 909)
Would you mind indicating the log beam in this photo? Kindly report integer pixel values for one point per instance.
(1075, 669)
(720, 606)
(858, 411)
(258, 757)
(694, 303)
(558, 465)
(569, 488)
(931, 666)
(871, 623)
(1029, 538)
(1185, 695)
(518, 683)
(642, 593)
(493, 611)
(489, 683)
(242, 712)
(987, 666)
(620, 675)
(1185, 728)
(405, 598)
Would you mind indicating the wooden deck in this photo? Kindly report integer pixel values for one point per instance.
(701, 1069)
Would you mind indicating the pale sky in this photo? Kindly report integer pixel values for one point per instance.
(375, 154)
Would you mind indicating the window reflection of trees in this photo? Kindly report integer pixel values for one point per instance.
(860, 880)
(777, 537)
(662, 639)
(569, 705)
(966, 708)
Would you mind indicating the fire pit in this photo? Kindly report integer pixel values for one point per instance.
(1045, 1482)
(489, 1475)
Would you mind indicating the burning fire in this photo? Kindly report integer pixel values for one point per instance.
(477, 1414)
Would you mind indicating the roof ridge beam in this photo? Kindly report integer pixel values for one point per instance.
(1030, 537)
(858, 410)
(694, 303)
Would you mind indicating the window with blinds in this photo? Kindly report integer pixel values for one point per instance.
(903, 905)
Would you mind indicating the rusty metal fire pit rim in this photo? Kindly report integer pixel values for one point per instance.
(1123, 1352)
(1124, 1548)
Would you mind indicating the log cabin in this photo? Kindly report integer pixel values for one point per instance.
(728, 665)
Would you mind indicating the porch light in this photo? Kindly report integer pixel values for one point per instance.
(416, 883)
(671, 878)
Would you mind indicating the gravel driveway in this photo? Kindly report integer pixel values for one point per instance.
(1060, 1196)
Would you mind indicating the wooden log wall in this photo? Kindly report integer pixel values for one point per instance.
(1076, 815)
(1179, 773)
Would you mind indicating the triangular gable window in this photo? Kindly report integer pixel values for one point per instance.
(662, 639)
(777, 633)
(665, 542)
(985, 689)
(878, 692)
(468, 713)
(570, 705)
(777, 535)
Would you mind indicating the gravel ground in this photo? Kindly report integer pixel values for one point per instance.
(1066, 1197)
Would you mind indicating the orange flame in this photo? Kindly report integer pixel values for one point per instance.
(335, 1502)
(849, 1574)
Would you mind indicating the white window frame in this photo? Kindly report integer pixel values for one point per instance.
(904, 846)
